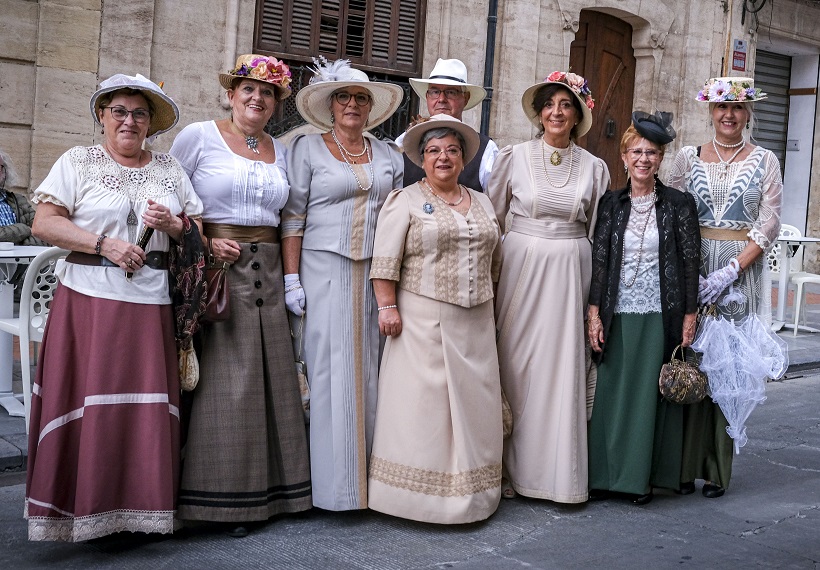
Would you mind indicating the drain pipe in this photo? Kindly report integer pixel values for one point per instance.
(489, 62)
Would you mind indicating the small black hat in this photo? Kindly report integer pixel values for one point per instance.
(656, 128)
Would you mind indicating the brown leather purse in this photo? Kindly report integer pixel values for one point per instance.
(217, 298)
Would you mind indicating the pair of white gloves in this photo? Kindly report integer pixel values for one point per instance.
(711, 286)
(294, 294)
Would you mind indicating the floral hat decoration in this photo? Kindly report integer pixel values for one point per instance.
(262, 68)
(730, 89)
(572, 81)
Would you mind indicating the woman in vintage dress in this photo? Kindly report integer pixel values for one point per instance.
(738, 189)
(643, 302)
(551, 186)
(246, 456)
(104, 438)
(437, 442)
(339, 181)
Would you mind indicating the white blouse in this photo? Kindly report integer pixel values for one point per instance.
(641, 262)
(99, 193)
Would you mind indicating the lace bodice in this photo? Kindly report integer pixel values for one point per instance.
(644, 294)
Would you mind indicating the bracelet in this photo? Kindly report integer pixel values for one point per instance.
(594, 318)
(388, 307)
(98, 247)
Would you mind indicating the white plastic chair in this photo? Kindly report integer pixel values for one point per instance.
(773, 257)
(35, 303)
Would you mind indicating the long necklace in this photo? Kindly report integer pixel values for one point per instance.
(344, 153)
(647, 214)
(727, 163)
(734, 145)
(571, 163)
(251, 141)
(131, 219)
(343, 148)
(456, 203)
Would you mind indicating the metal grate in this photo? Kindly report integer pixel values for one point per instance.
(773, 76)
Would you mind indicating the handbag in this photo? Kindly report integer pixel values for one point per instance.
(188, 368)
(301, 371)
(681, 382)
(217, 298)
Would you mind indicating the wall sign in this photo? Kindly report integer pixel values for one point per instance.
(739, 55)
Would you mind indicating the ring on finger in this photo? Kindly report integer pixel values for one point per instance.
(129, 263)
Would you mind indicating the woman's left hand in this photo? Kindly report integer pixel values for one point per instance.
(689, 325)
(390, 322)
(160, 218)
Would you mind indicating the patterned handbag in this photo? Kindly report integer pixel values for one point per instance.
(301, 371)
(681, 382)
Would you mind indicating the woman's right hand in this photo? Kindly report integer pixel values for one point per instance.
(126, 255)
(595, 331)
(390, 322)
(225, 250)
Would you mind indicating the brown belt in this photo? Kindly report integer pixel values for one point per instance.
(724, 235)
(243, 234)
(153, 259)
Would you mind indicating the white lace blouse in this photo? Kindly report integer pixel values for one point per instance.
(644, 294)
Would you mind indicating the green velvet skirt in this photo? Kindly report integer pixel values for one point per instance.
(707, 448)
(635, 436)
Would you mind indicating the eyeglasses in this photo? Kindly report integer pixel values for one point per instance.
(636, 153)
(121, 113)
(343, 98)
(448, 93)
(451, 151)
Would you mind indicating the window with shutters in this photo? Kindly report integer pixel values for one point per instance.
(382, 36)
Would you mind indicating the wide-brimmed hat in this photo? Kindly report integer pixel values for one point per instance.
(730, 89)
(261, 68)
(576, 84)
(656, 128)
(450, 72)
(414, 135)
(313, 100)
(166, 113)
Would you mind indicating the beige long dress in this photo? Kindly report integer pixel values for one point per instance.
(542, 296)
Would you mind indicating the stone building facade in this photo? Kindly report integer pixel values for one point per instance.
(53, 53)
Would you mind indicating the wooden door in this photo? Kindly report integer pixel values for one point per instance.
(602, 53)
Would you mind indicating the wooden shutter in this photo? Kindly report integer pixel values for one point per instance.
(773, 76)
(384, 36)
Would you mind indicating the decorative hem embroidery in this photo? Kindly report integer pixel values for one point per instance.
(436, 483)
(76, 529)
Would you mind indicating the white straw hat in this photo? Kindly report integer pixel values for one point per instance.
(166, 113)
(730, 89)
(313, 100)
(450, 72)
(415, 133)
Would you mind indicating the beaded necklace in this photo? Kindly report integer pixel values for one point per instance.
(647, 214)
(546, 171)
(367, 149)
(726, 163)
(456, 203)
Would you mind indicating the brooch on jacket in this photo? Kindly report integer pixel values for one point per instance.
(428, 208)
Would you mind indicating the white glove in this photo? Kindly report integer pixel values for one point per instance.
(294, 294)
(717, 281)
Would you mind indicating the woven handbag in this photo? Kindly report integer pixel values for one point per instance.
(681, 382)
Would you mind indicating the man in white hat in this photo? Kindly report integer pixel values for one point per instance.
(447, 92)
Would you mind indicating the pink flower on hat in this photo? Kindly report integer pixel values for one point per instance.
(556, 76)
(576, 83)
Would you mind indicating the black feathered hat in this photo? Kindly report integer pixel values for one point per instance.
(656, 128)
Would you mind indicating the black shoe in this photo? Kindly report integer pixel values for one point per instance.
(237, 531)
(598, 494)
(686, 488)
(642, 499)
(711, 491)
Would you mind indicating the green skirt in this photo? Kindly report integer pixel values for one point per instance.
(707, 448)
(635, 436)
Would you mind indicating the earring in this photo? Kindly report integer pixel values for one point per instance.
(747, 125)
(626, 169)
(332, 118)
(710, 122)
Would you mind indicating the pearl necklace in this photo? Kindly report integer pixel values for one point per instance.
(456, 203)
(727, 163)
(735, 145)
(544, 161)
(647, 213)
(344, 148)
(344, 153)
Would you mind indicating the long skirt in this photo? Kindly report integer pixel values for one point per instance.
(104, 437)
(341, 351)
(437, 445)
(635, 435)
(246, 458)
(542, 295)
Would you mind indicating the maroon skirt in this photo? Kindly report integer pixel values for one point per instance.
(104, 433)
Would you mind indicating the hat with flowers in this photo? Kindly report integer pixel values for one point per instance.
(730, 89)
(576, 84)
(261, 68)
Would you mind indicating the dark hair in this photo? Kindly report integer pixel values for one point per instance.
(545, 93)
(105, 99)
(440, 133)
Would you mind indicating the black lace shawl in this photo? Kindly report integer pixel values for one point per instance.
(679, 258)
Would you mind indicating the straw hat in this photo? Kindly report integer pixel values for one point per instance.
(313, 100)
(166, 113)
(414, 135)
(576, 84)
(730, 89)
(262, 68)
(450, 72)
(654, 128)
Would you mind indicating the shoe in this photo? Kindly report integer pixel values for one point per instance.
(598, 494)
(237, 531)
(642, 499)
(507, 491)
(711, 491)
(686, 488)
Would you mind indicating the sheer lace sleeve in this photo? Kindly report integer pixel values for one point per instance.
(600, 248)
(766, 227)
(679, 175)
